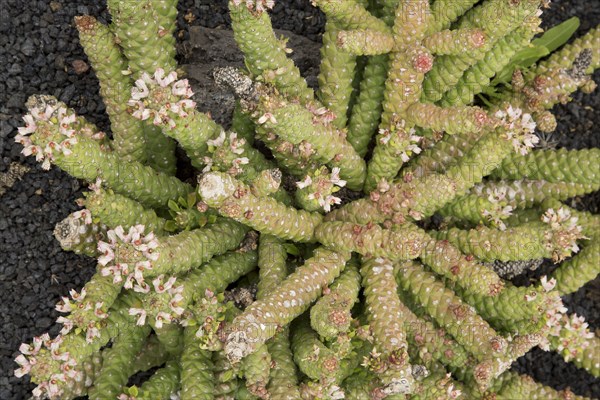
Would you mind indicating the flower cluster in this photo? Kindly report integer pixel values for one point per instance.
(164, 302)
(386, 136)
(321, 186)
(128, 255)
(563, 234)
(78, 307)
(519, 129)
(46, 357)
(160, 89)
(209, 315)
(256, 5)
(224, 152)
(497, 197)
(53, 115)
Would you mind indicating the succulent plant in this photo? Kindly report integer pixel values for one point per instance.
(375, 276)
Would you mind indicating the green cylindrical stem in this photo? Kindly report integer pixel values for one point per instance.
(234, 199)
(147, 46)
(272, 264)
(185, 250)
(197, 380)
(118, 364)
(459, 319)
(476, 206)
(264, 53)
(88, 160)
(447, 260)
(478, 76)
(114, 210)
(562, 165)
(367, 110)
(152, 355)
(313, 358)
(259, 321)
(349, 14)
(331, 315)
(526, 242)
(136, 24)
(294, 123)
(497, 18)
(256, 368)
(454, 41)
(443, 154)
(580, 269)
(371, 240)
(161, 385)
(335, 76)
(445, 12)
(385, 311)
(452, 120)
(365, 42)
(105, 56)
(218, 273)
(272, 271)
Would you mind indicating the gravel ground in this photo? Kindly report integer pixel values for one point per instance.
(39, 53)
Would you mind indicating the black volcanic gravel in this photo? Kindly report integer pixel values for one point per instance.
(38, 45)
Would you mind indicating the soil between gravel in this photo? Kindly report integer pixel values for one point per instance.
(38, 48)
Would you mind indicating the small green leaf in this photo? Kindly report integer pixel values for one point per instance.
(227, 376)
(522, 59)
(173, 206)
(290, 248)
(558, 35)
(133, 391)
(170, 226)
(212, 219)
(191, 200)
(182, 201)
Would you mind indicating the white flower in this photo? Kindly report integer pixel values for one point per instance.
(159, 76)
(182, 88)
(328, 201)
(218, 141)
(142, 315)
(107, 253)
(267, 117)
(162, 317)
(30, 126)
(67, 325)
(241, 161)
(25, 366)
(548, 285)
(161, 287)
(335, 177)
(385, 136)
(306, 182)
(140, 90)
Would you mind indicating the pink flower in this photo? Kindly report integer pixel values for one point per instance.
(140, 90)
